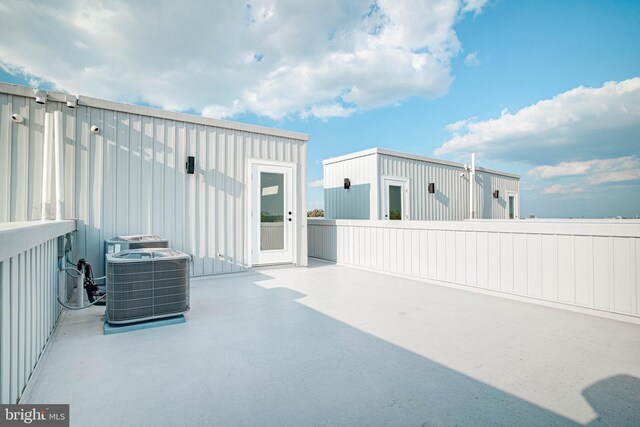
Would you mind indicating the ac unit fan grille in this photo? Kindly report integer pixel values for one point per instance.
(144, 290)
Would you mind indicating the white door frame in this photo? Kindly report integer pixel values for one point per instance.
(400, 182)
(252, 255)
(516, 206)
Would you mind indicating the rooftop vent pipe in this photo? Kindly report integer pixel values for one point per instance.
(46, 164)
(40, 95)
(472, 180)
(59, 162)
(72, 101)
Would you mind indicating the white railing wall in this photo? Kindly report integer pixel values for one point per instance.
(591, 264)
(29, 311)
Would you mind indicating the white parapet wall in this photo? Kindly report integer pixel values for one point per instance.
(591, 264)
(29, 310)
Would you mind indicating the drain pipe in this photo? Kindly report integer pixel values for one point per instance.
(59, 164)
(46, 164)
(80, 290)
(472, 180)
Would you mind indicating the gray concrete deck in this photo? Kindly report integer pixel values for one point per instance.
(331, 345)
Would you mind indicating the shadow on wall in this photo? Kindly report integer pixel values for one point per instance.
(352, 203)
(230, 186)
(442, 198)
(212, 178)
(502, 202)
(487, 195)
(326, 243)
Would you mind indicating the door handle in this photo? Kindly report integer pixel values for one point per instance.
(289, 213)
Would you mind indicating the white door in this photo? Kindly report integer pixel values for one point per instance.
(272, 214)
(396, 199)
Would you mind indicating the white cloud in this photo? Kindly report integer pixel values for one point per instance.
(471, 60)
(273, 58)
(562, 169)
(579, 124)
(326, 111)
(615, 176)
(318, 183)
(474, 6)
(599, 171)
(459, 125)
(560, 189)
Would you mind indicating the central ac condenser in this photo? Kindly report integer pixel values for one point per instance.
(144, 284)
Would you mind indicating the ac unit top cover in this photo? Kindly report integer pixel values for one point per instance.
(146, 255)
(137, 238)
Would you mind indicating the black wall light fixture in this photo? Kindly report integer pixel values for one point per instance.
(347, 183)
(496, 194)
(432, 187)
(191, 165)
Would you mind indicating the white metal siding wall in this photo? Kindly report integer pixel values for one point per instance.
(592, 265)
(486, 206)
(451, 199)
(28, 310)
(360, 200)
(131, 179)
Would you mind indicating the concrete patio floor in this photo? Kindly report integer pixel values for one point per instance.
(332, 345)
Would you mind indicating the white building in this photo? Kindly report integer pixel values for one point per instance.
(384, 184)
(121, 169)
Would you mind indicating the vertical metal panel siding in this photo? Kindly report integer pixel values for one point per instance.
(583, 265)
(451, 199)
(130, 178)
(486, 206)
(28, 314)
(354, 203)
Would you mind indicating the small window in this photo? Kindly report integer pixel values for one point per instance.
(395, 202)
(512, 207)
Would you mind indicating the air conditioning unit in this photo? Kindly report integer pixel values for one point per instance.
(144, 284)
(137, 241)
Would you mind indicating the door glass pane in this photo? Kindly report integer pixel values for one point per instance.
(271, 211)
(395, 202)
(512, 207)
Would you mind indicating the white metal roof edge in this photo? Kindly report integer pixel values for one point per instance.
(88, 101)
(350, 156)
(443, 162)
(393, 153)
(11, 89)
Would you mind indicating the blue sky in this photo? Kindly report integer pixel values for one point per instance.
(546, 89)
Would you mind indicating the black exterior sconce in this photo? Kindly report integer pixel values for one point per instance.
(432, 187)
(191, 165)
(347, 183)
(496, 194)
